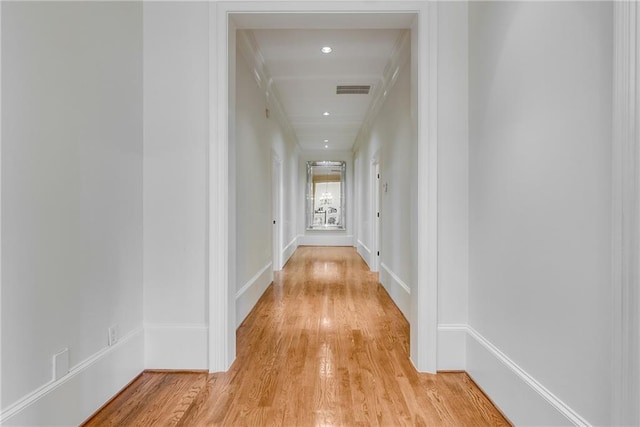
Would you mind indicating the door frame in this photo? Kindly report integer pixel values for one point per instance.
(626, 215)
(276, 208)
(375, 211)
(221, 283)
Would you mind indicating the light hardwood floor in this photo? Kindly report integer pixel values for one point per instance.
(324, 346)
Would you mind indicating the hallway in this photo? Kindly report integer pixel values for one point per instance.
(324, 346)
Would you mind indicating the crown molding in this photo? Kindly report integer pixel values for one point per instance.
(397, 62)
(248, 48)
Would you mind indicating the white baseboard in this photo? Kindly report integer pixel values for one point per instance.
(175, 346)
(325, 240)
(452, 347)
(399, 291)
(523, 399)
(289, 250)
(250, 293)
(73, 398)
(364, 252)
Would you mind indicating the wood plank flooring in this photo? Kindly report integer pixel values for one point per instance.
(324, 346)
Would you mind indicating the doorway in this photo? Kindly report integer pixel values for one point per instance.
(227, 17)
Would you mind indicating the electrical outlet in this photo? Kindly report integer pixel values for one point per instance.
(114, 336)
(60, 364)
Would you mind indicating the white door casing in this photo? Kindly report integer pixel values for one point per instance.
(375, 211)
(626, 215)
(223, 19)
(276, 192)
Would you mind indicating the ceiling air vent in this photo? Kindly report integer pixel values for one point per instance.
(353, 90)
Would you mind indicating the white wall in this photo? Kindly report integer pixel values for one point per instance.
(394, 132)
(176, 81)
(254, 271)
(391, 141)
(176, 138)
(71, 206)
(324, 238)
(397, 143)
(257, 139)
(540, 82)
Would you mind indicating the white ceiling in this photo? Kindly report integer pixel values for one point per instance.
(305, 79)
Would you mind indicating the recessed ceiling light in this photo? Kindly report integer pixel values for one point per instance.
(326, 113)
(326, 146)
(326, 140)
(326, 49)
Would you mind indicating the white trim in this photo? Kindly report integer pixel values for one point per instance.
(364, 252)
(277, 178)
(399, 291)
(222, 305)
(493, 369)
(177, 326)
(1, 400)
(452, 347)
(164, 345)
(453, 327)
(398, 281)
(461, 347)
(324, 239)
(250, 293)
(478, 369)
(374, 195)
(626, 215)
(113, 367)
(424, 322)
(364, 247)
(289, 250)
(309, 7)
(252, 281)
(222, 315)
